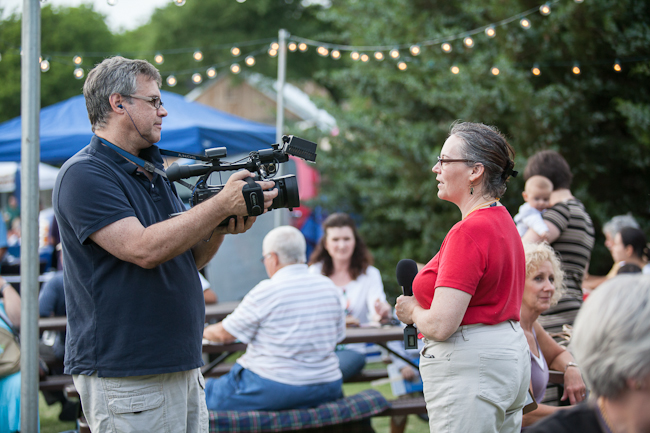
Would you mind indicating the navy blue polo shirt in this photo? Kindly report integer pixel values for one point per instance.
(123, 320)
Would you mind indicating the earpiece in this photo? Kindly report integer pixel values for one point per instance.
(120, 106)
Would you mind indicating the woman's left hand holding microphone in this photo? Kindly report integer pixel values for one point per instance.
(404, 308)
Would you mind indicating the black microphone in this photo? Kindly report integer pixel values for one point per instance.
(175, 171)
(406, 271)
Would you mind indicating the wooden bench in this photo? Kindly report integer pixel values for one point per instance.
(55, 383)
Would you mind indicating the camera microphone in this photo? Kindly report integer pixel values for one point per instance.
(176, 172)
(405, 272)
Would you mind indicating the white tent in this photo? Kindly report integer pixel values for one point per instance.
(46, 176)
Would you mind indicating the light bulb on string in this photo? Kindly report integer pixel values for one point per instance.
(545, 9)
(525, 23)
(111, 2)
(235, 51)
(322, 51)
(490, 32)
(617, 65)
(77, 60)
(302, 46)
(250, 61)
(495, 71)
(394, 53)
(275, 46)
(535, 70)
(179, 3)
(197, 78)
(455, 70)
(235, 68)
(446, 47)
(578, 1)
(45, 65)
(292, 46)
(211, 72)
(171, 81)
(364, 57)
(354, 55)
(273, 52)
(379, 56)
(241, 1)
(198, 55)
(469, 42)
(335, 54)
(576, 69)
(78, 73)
(402, 66)
(159, 59)
(415, 50)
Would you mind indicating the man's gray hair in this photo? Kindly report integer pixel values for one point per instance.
(288, 243)
(611, 336)
(618, 223)
(113, 75)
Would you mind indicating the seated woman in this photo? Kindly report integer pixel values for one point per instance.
(10, 384)
(342, 256)
(542, 289)
(611, 340)
(630, 250)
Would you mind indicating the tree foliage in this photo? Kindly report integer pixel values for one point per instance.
(394, 123)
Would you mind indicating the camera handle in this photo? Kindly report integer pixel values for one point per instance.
(254, 197)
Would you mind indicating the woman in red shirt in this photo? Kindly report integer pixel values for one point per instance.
(475, 364)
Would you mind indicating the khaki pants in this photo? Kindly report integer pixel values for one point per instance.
(165, 403)
(477, 380)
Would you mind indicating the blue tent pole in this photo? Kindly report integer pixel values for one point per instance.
(29, 263)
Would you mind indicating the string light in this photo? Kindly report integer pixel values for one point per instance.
(335, 54)
(355, 55)
(617, 65)
(197, 78)
(250, 61)
(179, 3)
(273, 52)
(415, 50)
(323, 51)
(302, 46)
(171, 81)
(576, 69)
(364, 57)
(379, 56)
(78, 73)
(77, 60)
(275, 46)
(495, 71)
(394, 53)
(455, 70)
(402, 66)
(211, 72)
(235, 51)
(45, 65)
(235, 68)
(490, 32)
(535, 70)
(292, 46)
(446, 47)
(159, 59)
(108, 2)
(198, 55)
(545, 9)
(525, 23)
(578, 1)
(469, 42)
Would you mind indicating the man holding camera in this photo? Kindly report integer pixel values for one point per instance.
(133, 296)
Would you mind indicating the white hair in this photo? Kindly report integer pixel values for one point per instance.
(617, 223)
(288, 243)
(611, 337)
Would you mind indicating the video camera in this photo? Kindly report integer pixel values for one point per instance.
(264, 162)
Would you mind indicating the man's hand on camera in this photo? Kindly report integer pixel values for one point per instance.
(233, 199)
(236, 226)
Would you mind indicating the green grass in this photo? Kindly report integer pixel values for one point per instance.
(49, 417)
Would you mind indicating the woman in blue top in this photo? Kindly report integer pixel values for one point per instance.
(9, 385)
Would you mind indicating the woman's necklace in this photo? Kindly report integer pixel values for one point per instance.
(483, 205)
(603, 415)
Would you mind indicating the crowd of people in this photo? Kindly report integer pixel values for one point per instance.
(487, 305)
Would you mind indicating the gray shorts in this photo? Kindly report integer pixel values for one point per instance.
(169, 403)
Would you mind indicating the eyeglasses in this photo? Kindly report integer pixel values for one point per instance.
(264, 257)
(443, 160)
(153, 100)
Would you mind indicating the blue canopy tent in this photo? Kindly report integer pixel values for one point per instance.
(190, 127)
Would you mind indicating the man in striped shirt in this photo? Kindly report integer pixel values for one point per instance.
(291, 324)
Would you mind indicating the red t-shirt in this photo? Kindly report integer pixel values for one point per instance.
(483, 256)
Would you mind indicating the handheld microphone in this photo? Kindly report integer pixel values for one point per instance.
(405, 272)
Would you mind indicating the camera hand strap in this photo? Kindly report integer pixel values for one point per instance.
(254, 197)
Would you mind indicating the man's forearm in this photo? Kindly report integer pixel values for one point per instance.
(204, 250)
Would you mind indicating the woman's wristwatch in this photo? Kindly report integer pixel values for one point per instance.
(570, 364)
